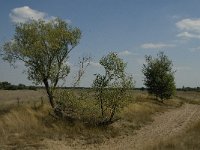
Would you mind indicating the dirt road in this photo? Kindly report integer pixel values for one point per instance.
(164, 126)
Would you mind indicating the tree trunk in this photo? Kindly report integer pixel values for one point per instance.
(112, 113)
(49, 93)
(101, 100)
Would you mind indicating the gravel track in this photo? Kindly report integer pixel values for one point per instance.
(164, 126)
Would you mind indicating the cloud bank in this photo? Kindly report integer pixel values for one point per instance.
(125, 53)
(190, 28)
(22, 14)
(156, 45)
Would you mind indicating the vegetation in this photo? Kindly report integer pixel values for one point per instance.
(110, 88)
(185, 141)
(197, 89)
(8, 86)
(29, 125)
(44, 47)
(159, 76)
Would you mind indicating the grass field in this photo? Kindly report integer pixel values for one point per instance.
(24, 96)
(25, 120)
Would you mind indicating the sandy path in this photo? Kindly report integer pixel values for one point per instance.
(164, 126)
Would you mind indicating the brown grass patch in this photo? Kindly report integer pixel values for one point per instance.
(24, 96)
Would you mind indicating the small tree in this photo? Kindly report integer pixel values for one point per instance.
(159, 76)
(44, 47)
(111, 87)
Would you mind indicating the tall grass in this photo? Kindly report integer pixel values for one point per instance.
(19, 125)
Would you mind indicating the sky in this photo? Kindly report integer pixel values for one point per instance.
(131, 28)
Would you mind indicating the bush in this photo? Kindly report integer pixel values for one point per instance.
(8, 86)
(76, 106)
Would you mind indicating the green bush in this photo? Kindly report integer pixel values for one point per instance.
(110, 88)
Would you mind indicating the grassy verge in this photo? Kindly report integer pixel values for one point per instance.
(186, 141)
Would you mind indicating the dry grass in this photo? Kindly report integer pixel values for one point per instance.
(191, 97)
(24, 96)
(190, 138)
(140, 112)
(19, 127)
(24, 127)
(186, 141)
(28, 125)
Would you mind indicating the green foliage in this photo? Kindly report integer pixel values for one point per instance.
(110, 88)
(44, 47)
(4, 85)
(75, 106)
(8, 86)
(159, 77)
(66, 103)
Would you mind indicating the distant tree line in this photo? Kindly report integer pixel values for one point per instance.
(185, 89)
(197, 89)
(8, 86)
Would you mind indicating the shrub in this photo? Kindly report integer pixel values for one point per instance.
(110, 88)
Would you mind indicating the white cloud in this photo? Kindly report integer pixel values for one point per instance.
(190, 28)
(189, 25)
(124, 53)
(156, 45)
(187, 35)
(25, 13)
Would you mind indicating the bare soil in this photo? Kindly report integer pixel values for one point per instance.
(165, 126)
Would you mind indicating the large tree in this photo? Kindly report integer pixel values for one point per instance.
(44, 47)
(159, 76)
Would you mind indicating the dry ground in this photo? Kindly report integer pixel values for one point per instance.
(165, 126)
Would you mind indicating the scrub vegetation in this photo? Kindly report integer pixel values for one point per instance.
(110, 111)
(29, 123)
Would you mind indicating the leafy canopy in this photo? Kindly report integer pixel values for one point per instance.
(159, 76)
(43, 47)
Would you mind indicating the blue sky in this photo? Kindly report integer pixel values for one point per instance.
(132, 28)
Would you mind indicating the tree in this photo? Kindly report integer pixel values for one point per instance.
(5, 84)
(110, 88)
(159, 76)
(44, 47)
